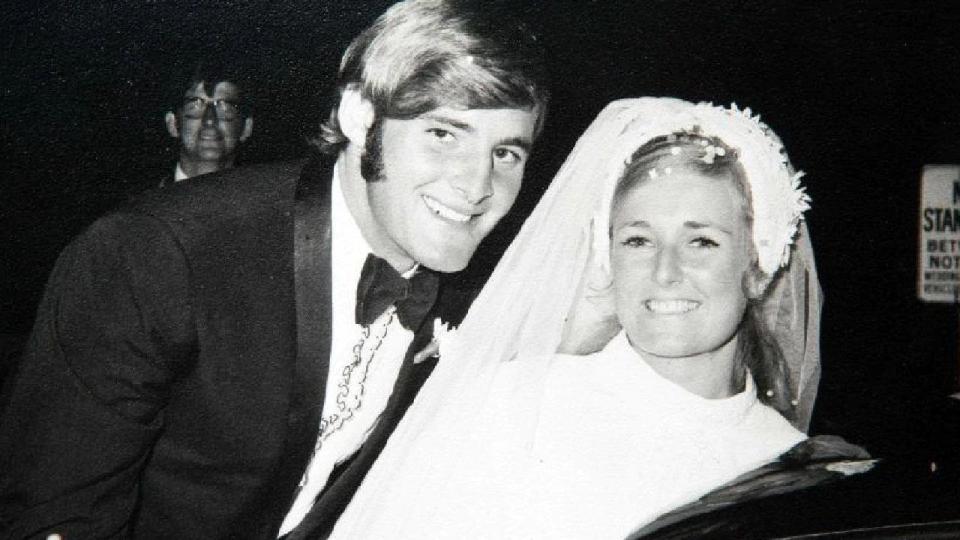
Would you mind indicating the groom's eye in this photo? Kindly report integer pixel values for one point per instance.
(505, 155)
(441, 134)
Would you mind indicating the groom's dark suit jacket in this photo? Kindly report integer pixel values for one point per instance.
(173, 382)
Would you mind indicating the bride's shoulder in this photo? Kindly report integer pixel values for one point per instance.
(547, 368)
(527, 382)
(524, 366)
(552, 362)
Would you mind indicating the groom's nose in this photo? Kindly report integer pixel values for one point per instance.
(473, 177)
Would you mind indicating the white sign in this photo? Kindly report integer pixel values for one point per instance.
(939, 249)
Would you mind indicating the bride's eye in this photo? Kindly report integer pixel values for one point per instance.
(704, 242)
(636, 241)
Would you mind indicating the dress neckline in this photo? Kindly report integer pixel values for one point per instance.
(642, 384)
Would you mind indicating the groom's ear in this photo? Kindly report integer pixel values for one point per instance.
(355, 116)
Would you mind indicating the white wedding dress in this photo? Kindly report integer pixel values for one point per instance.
(598, 447)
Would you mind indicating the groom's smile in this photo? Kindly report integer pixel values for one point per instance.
(447, 212)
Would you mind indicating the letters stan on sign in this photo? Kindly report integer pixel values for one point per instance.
(939, 248)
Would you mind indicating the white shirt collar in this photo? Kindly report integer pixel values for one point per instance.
(350, 248)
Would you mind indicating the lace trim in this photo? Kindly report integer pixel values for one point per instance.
(351, 389)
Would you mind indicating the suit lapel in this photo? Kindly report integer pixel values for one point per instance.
(312, 291)
(312, 282)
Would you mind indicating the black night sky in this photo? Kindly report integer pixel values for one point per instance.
(863, 94)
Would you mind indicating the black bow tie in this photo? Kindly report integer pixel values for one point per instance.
(381, 286)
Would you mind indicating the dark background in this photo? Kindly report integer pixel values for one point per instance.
(863, 94)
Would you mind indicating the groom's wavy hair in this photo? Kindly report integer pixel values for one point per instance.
(757, 349)
(424, 54)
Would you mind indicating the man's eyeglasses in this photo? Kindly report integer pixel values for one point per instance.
(194, 107)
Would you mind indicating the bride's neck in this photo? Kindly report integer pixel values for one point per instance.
(712, 375)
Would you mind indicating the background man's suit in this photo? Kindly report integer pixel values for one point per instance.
(189, 331)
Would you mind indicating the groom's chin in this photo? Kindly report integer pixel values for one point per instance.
(446, 265)
(447, 260)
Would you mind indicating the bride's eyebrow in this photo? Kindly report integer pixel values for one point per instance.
(706, 225)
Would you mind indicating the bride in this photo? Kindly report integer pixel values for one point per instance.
(643, 341)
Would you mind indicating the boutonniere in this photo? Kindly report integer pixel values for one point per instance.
(441, 332)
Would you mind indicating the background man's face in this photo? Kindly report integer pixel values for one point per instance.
(211, 127)
(446, 177)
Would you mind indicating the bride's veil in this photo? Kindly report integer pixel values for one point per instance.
(538, 300)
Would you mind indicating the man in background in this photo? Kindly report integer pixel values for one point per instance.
(210, 122)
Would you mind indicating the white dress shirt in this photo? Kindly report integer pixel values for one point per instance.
(349, 251)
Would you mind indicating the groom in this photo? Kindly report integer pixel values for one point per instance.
(204, 365)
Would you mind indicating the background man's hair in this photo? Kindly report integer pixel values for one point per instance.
(211, 69)
(423, 54)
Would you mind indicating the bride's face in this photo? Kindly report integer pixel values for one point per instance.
(679, 255)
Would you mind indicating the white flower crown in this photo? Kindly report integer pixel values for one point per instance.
(777, 199)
